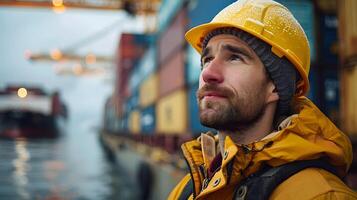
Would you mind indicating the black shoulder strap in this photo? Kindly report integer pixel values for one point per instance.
(262, 184)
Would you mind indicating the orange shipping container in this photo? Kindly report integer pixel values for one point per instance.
(149, 90)
(172, 74)
(134, 122)
(171, 113)
(348, 50)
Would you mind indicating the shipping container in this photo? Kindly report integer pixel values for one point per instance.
(125, 124)
(134, 79)
(117, 124)
(349, 101)
(347, 19)
(203, 11)
(303, 11)
(193, 67)
(171, 113)
(148, 120)
(172, 40)
(134, 122)
(348, 50)
(172, 75)
(132, 102)
(328, 41)
(130, 49)
(314, 86)
(146, 66)
(167, 12)
(149, 90)
(132, 45)
(332, 95)
(195, 125)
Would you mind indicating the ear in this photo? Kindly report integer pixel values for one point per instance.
(272, 93)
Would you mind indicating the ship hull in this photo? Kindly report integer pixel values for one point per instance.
(25, 124)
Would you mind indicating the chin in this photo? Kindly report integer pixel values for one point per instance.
(208, 116)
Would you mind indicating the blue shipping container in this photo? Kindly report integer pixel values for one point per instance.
(143, 39)
(145, 66)
(328, 51)
(148, 63)
(303, 11)
(332, 91)
(168, 9)
(132, 102)
(135, 78)
(125, 123)
(193, 67)
(312, 94)
(148, 120)
(194, 120)
(203, 11)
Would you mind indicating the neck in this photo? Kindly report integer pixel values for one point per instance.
(259, 130)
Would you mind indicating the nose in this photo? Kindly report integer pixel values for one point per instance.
(212, 73)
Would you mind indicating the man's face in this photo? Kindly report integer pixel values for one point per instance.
(233, 85)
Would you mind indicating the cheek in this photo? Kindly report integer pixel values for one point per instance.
(244, 77)
(237, 81)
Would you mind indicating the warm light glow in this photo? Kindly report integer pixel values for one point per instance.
(58, 6)
(56, 54)
(59, 9)
(57, 3)
(22, 92)
(91, 59)
(78, 69)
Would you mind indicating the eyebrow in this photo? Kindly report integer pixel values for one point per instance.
(230, 48)
(238, 50)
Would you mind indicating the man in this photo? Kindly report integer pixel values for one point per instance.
(255, 64)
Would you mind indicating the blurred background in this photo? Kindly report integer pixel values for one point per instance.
(96, 96)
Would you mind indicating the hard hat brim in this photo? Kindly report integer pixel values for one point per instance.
(196, 35)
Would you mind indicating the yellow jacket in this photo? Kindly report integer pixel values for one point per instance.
(309, 135)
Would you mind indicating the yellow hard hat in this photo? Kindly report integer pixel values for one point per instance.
(269, 21)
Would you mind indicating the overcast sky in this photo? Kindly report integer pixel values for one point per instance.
(41, 30)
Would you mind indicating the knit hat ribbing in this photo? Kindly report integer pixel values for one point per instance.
(281, 71)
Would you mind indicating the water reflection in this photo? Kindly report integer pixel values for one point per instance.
(72, 166)
(21, 168)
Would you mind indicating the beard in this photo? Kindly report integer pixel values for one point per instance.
(234, 112)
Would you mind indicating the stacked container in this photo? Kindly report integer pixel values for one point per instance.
(131, 48)
(172, 106)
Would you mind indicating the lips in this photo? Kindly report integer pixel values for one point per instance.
(212, 94)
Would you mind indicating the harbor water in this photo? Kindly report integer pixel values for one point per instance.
(72, 166)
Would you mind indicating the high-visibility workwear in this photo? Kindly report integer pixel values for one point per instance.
(307, 135)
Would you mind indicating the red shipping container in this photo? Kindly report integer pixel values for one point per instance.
(131, 47)
(172, 74)
(173, 39)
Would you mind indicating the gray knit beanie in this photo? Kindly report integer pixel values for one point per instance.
(281, 71)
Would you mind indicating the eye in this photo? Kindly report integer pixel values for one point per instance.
(235, 57)
(205, 61)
